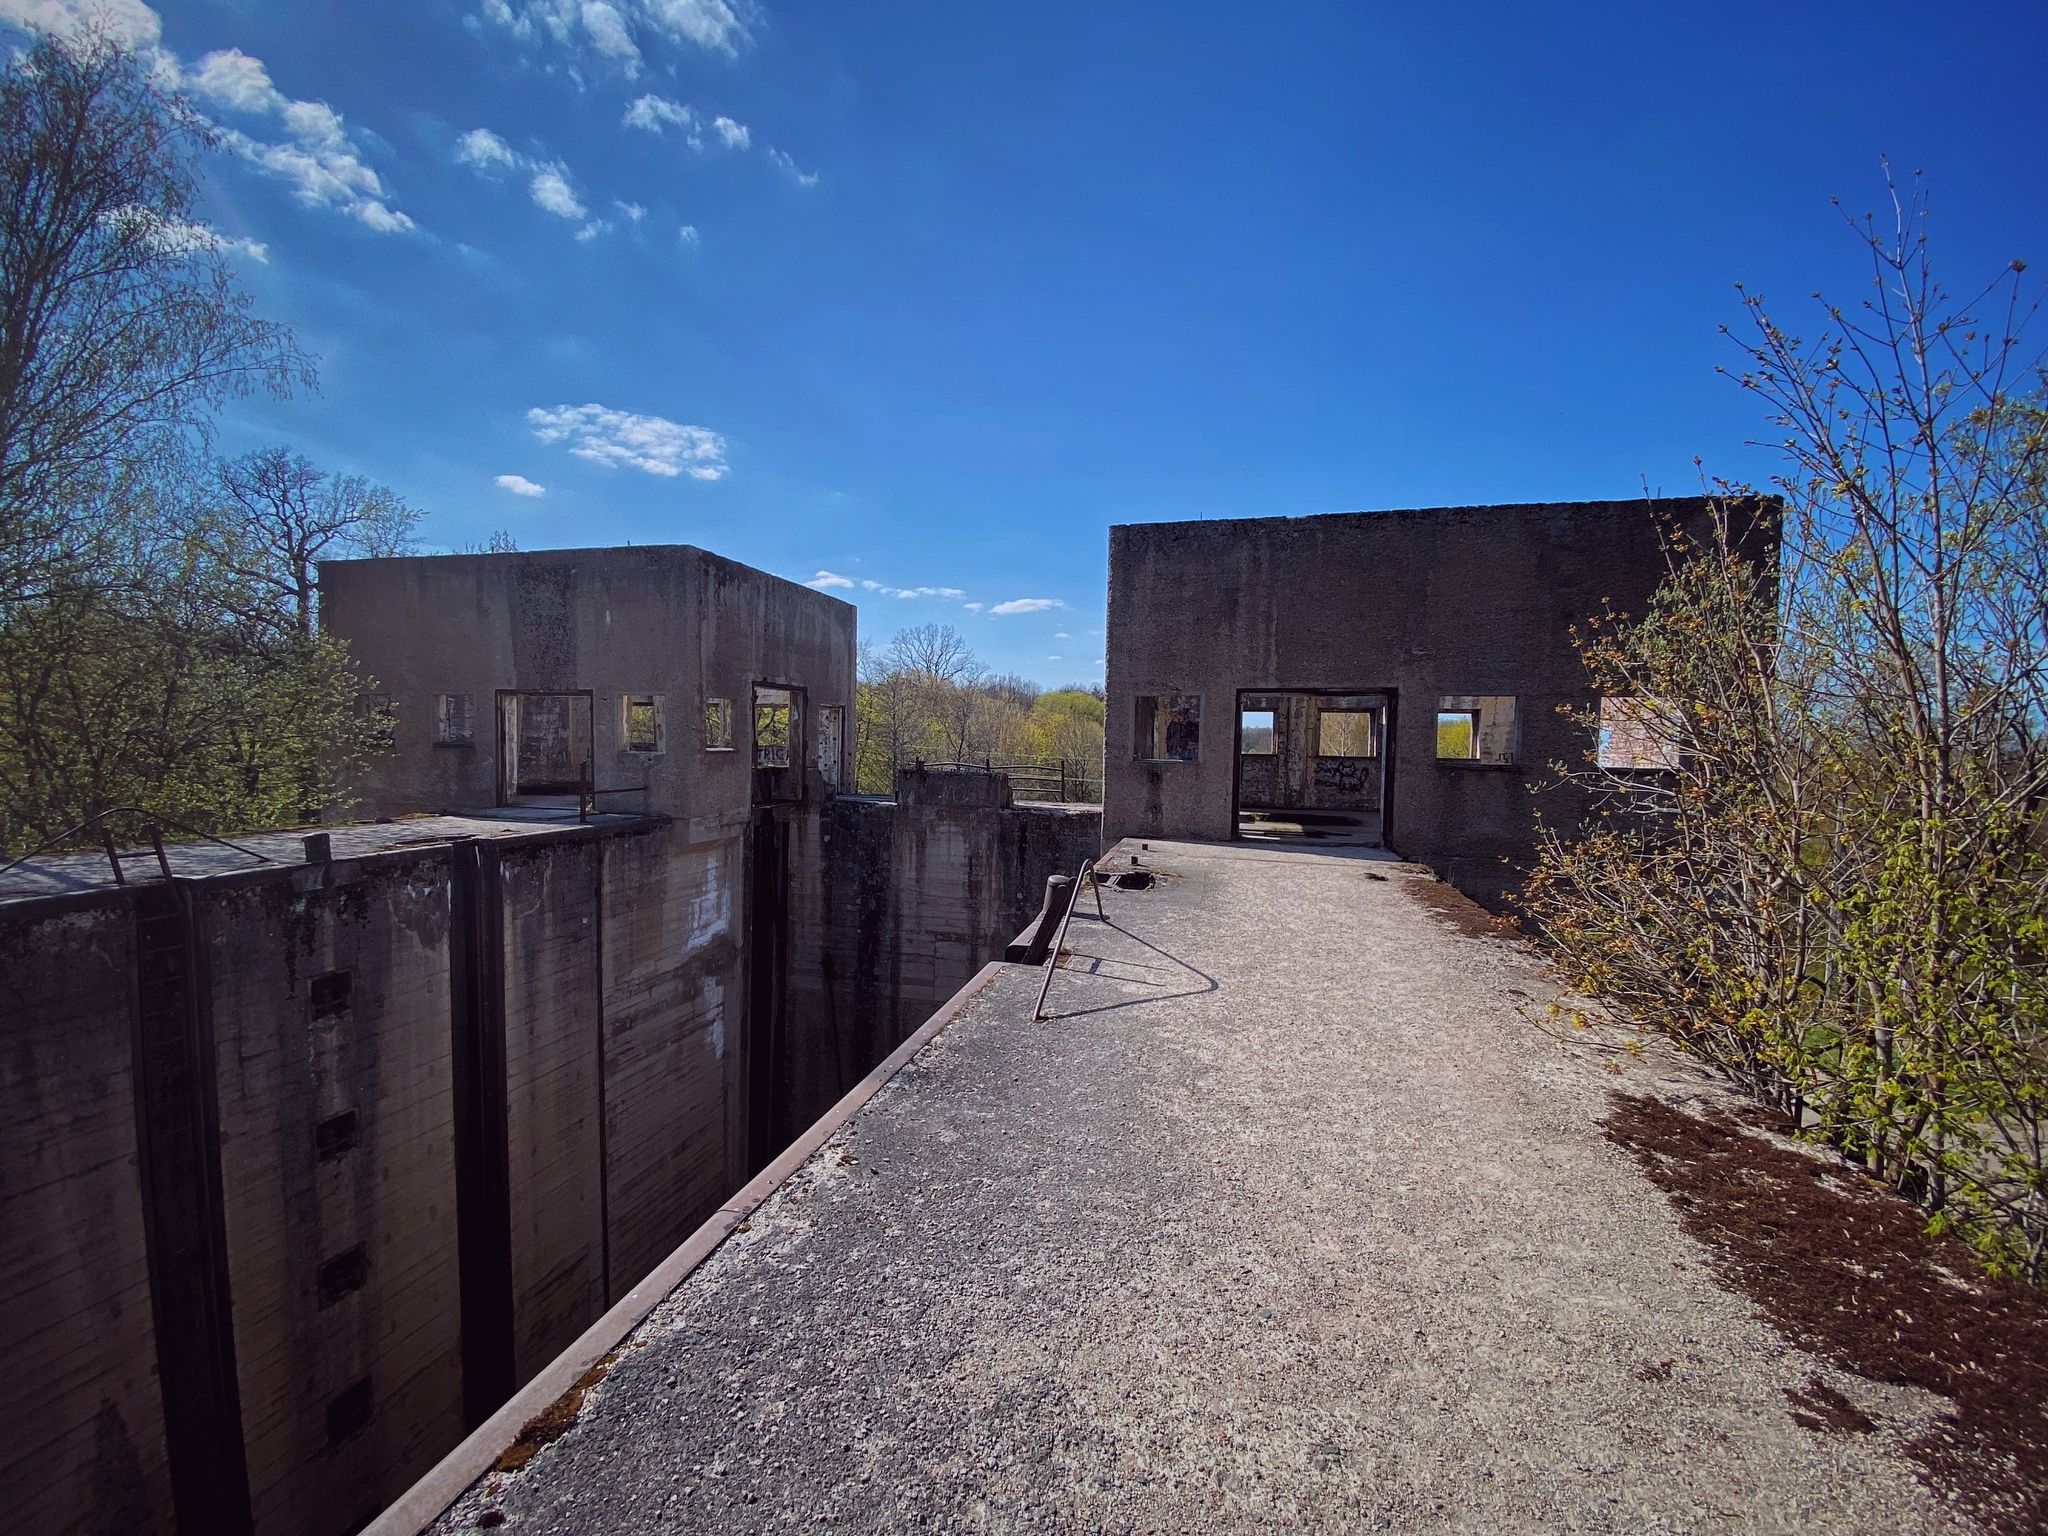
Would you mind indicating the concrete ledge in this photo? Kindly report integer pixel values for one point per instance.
(423, 1503)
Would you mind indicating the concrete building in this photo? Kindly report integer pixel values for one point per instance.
(1393, 679)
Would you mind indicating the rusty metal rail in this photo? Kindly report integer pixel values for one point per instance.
(1052, 956)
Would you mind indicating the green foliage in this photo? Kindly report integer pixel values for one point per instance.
(1838, 892)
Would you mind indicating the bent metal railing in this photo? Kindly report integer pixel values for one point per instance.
(1060, 778)
(1052, 955)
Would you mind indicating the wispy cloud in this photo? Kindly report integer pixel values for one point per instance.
(688, 235)
(789, 168)
(657, 114)
(734, 134)
(972, 607)
(828, 579)
(618, 439)
(551, 190)
(619, 31)
(1027, 605)
(888, 591)
(549, 185)
(322, 164)
(519, 485)
(484, 149)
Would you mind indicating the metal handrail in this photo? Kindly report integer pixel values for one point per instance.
(1063, 773)
(1052, 957)
(149, 830)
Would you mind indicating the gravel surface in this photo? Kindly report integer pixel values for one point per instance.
(1293, 1216)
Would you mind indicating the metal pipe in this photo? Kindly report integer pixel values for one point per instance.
(1052, 959)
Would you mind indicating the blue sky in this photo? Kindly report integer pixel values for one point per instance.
(922, 297)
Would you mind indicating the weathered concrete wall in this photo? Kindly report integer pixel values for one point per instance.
(1415, 604)
(81, 1423)
(602, 978)
(669, 620)
(329, 991)
(913, 898)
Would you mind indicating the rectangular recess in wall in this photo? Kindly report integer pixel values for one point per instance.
(349, 1411)
(1168, 727)
(718, 725)
(641, 728)
(343, 1275)
(454, 722)
(337, 1134)
(775, 727)
(331, 994)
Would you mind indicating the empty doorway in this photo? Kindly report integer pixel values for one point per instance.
(544, 747)
(1311, 767)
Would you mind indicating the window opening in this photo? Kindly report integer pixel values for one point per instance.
(1476, 727)
(718, 725)
(546, 741)
(1348, 733)
(1169, 727)
(1255, 735)
(774, 726)
(640, 722)
(1457, 733)
(454, 724)
(831, 734)
(1630, 736)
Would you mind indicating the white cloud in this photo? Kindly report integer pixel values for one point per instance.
(483, 149)
(322, 163)
(972, 607)
(653, 114)
(1055, 658)
(688, 235)
(519, 485)
(620, 438)
(551, 191)
(827, 579)
(127, 21)
(592, 230)
(632, 212)
(1027, 605)
(618, 30)
(735, 135)
(801, 178)
(909, 592)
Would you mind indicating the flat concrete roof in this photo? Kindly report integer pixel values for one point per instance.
(1288, 1216)
(69, 874)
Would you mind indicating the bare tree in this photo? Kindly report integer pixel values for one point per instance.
(281, 514)
(120, 322)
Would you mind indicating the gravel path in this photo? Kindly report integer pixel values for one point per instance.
(1290, 1217)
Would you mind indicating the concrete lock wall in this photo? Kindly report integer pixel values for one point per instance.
(1418, 605)
(409, 1122)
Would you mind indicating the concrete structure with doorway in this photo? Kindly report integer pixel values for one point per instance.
(1398, 679)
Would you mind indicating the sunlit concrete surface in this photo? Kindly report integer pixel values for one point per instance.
(1288, 1216)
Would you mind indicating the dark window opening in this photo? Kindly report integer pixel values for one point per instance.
(331, 993)
(337, 1134)
(1169, 727)
(348, 1412)
(344, 1274)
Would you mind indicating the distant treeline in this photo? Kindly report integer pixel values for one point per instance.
(927, 697)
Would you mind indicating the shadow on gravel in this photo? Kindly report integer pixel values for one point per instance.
(1847, 1272)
